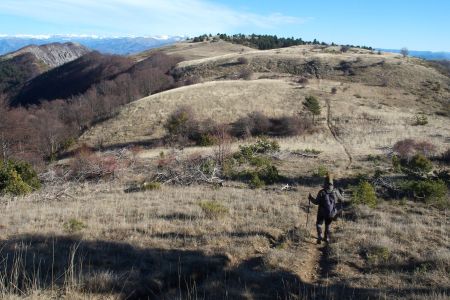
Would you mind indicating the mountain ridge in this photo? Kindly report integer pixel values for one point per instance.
(53, 54)
(109, 45)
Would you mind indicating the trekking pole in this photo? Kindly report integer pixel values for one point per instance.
(307, 215)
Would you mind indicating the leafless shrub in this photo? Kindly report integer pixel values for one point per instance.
(242, 127)
(223, 146)
(257, 124)
(192, 170)
(193, 80)
(407, 148)
(243, 60)
(88, 165)
(445, 157)
(290, 126)
(302, 80)
(245, 74)
(345, 48)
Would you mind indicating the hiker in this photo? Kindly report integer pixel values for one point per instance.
(326, 199)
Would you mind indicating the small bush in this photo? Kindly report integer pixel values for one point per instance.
(260, 170)
(429, 191)
(242, 60)
(206, 140)
(445, 157)
(289, 126)
(257, 124)
(364, 193)
(310, 151)
(321, 171)
(17, 178)
(334, 90)
(150, 186)
(213, 209)
(396, 164)
(67, 143)
(14, 184)
(420, 120)
(302, 80)
(254, 124)
(245, 74)
(262, 146)
(407, 148)
(345, 49)
(255, 181)
(378, 254)
(269, 174)
(313, 106)
(376, 159)
(181, 124)
(418, 164)
(73, 226)
(91, 166)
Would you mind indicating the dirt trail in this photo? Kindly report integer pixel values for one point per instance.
(316, 267)
(335, 135)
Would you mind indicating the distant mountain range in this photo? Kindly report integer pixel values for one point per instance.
(428, 55)
(110, 45)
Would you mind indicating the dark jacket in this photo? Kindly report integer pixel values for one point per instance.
(326, 200)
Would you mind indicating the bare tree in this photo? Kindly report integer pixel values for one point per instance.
(404, 52)
(5, 143)
(223, 147)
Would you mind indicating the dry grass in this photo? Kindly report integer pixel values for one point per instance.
(163, 244)
(401, 249)
(129, 241)
(368, 125)
(194, 51)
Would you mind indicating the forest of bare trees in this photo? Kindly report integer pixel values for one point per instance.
(37, 133)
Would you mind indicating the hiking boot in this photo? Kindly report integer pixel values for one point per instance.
(319, 240)
(327, 239)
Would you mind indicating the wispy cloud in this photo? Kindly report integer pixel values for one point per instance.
(174, 17)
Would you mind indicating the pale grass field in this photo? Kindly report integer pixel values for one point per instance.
(415, 249)
(368, 124)
(197, 51)
(134, 243)
(163, 221)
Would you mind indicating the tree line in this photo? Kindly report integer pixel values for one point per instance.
(265, 42)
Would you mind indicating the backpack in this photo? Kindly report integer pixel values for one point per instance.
(328, 205)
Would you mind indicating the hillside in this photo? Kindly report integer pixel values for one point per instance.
(191, 51)
(381, 92)
(18, 67)
(72, 78)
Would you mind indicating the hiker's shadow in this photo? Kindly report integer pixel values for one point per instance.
(129, 272)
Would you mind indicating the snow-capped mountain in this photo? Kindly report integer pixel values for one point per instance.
(112, 45)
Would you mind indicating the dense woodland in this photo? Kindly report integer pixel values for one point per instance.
(53, 109)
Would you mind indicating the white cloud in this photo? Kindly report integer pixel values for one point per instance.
(144, 17)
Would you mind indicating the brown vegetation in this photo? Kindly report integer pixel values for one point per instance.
(40, 131)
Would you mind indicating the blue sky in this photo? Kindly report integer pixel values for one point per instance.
(418, 25)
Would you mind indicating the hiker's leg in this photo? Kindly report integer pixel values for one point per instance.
(319, 222)
(327, 229)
